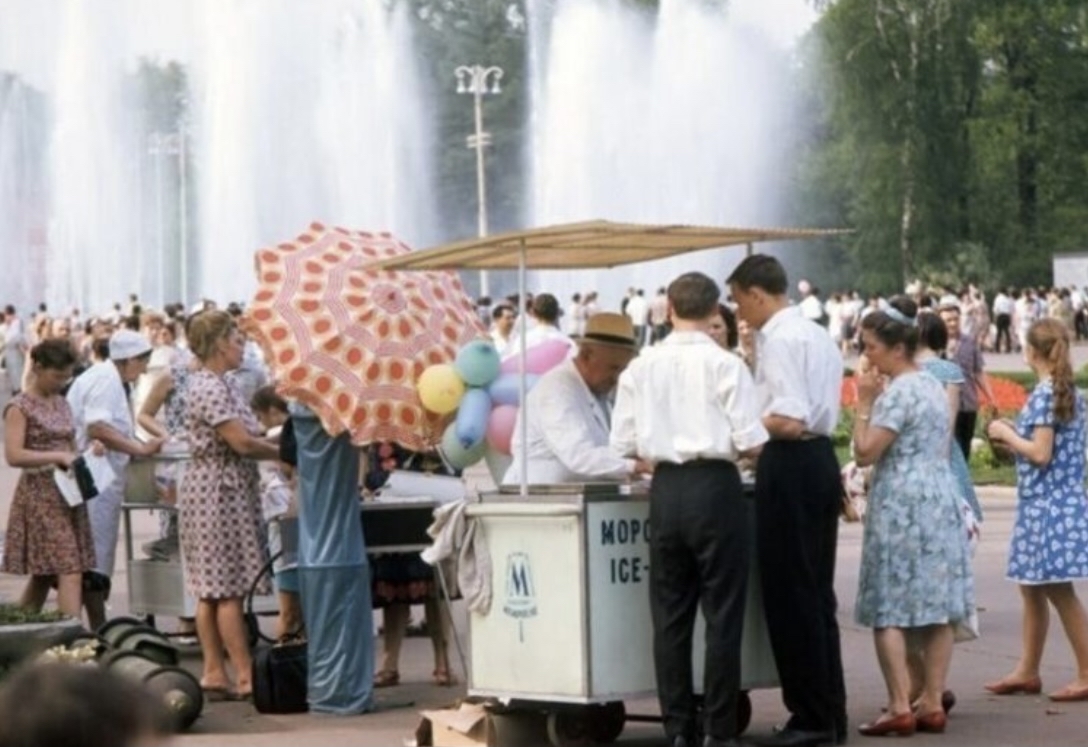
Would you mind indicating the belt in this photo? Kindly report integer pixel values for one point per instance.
(44, 470)
(810, 436)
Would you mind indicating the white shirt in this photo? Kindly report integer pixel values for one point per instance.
(686, 398)
(799, 371)
(1003, 304)
(638, 310)
(812, 308)
(98, 396)
(567, 432)
(501, 343)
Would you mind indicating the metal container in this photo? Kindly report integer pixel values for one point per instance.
(178, 690)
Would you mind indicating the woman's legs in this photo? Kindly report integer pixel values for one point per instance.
(1036, 619)
(394, 625)
(95, 604)
(211, 645)
(35, 593)
(70, 594)
(937, 643)
(231, 620)
(1075, 622)
(438, 625)
(891, 652)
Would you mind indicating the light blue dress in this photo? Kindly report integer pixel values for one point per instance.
(915, 567)
(1050, 534)
(948, 372)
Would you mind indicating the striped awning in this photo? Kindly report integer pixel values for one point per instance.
(592, 244)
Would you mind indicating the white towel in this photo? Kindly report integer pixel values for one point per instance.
(459, 539)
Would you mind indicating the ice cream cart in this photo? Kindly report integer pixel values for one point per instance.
(569, 629)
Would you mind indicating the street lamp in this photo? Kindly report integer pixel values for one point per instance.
(474, 79)
(162, 144)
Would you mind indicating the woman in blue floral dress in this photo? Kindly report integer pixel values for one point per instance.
(915, 581)
(1049, 548)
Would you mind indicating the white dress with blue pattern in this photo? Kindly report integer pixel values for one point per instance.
(1050, 535)
(915, 564)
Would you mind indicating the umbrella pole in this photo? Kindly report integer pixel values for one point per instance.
(524, 419)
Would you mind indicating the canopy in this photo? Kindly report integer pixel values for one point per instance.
(591, 244)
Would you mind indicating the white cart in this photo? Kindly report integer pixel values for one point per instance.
(569, 629)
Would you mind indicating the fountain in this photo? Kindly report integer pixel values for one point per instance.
(676, 118)
(292, 112)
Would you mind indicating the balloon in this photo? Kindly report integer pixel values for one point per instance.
(500, 428)
(472, 415)
(477, 363)
(497, 464)
(456, 454)
(440, 388)
(505, 390)
(540, 358)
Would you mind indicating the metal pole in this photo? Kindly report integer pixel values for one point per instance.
(481, 176)
(522, 385)
(183, 218)
(158, 152)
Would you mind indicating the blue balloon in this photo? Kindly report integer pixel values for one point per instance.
(456, 454)
(472, 414)
(504, 390)
(477, 363)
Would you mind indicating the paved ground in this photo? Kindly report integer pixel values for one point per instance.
(978, 719)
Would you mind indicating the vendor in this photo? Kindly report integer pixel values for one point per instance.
(570, 413)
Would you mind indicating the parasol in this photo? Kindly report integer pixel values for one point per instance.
(350, 342)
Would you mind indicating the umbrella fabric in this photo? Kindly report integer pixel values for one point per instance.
(351, 342)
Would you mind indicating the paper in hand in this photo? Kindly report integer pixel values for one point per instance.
(68, 488)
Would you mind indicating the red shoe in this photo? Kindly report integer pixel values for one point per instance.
(1032, 686)
(1069, 694)
(932, 722)
(902, 725)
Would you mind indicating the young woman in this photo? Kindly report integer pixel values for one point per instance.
(1050, 534)
(47, 539)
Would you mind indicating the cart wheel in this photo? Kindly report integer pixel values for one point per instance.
(744, 711)
(607, 721)
(570, 727)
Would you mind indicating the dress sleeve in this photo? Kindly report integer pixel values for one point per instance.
(1039, 410)
(210, 402)
(890, 409)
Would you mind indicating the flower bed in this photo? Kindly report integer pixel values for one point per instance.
(1009, 396)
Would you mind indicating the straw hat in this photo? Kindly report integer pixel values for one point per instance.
(607, 328)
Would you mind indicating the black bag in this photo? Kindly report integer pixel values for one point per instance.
(84, 479)
(279, 678)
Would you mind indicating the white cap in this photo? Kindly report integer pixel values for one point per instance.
(126, 344)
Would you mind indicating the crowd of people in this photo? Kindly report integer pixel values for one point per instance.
(682, 388)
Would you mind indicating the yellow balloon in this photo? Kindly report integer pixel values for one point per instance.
(440, 388)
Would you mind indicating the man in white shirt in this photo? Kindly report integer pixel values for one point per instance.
(798, 496)
(100, 409)
(659, 316)
(1003, 310)
(569, 413)
(689, 406)
(638, 311)
(503, 317)
(15, 347)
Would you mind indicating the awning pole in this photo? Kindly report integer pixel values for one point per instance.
(524, 419)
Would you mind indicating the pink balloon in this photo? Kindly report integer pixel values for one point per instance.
(500, 427)
(539, 359)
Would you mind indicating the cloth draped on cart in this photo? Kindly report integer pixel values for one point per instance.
(334, 575)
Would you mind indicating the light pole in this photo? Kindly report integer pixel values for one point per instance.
(161, 144)
(474, 79)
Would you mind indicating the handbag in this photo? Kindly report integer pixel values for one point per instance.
(84, 479)
(280, 677)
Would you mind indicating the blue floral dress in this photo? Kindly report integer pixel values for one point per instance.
(1050, 535)
(947, 372)
(915, 566)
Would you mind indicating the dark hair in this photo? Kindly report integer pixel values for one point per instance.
(546, 308)
(56, 354)
(265, 399)
(43, 705)
(760, 271)
(932, 332)
(732, 333)
(892, 332)
(694, 296)
(101, 348)
(499, 309)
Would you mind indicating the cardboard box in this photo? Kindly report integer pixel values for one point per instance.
(476, 725)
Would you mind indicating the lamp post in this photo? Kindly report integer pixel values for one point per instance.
(161, 144)
(474, 79)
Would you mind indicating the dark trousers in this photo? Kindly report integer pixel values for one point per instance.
(1004, 331)
(965, 431)
(798, 496)
(700, 549)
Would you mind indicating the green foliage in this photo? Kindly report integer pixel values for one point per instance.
(953, 137)
(12, 614)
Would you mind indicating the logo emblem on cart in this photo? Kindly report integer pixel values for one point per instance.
(520, 591)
